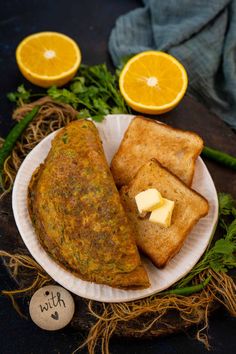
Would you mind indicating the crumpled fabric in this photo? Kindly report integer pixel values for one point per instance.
(201, 34)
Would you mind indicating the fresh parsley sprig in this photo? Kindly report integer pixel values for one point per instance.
(220, 256)
(22, 95)
(63, 95)
(93, 92)
(97, 91)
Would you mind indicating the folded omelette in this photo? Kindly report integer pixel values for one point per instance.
(77, 214)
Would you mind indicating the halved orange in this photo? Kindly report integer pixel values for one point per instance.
(153, 82)
(48, 58)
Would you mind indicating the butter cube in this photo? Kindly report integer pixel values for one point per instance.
(162, 215)
(148, 200)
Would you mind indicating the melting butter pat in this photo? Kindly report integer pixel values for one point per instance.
(148, 200)
(162, 215)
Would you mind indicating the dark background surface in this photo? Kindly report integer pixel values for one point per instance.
(89, 23)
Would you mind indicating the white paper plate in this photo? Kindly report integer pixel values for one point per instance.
(111, 131)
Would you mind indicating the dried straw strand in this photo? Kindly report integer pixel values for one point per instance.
(51, 116)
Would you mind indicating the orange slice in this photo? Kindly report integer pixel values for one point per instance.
(153, 82)
(48, 58)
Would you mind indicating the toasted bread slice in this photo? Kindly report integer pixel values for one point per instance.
(145, 139)
(157, 242)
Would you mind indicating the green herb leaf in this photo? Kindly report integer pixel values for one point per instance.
(78, 85)
(64, 138)
(231, 231)
(83, 113)
(224, 247)
(20, 96)
(116, 110)
(12, 96)
(221, 256)
(63, 95)
(98, 118)
(226, 204)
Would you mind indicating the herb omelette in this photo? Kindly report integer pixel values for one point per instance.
(77, 213)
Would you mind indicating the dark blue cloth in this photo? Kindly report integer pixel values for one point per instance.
(200, 33)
